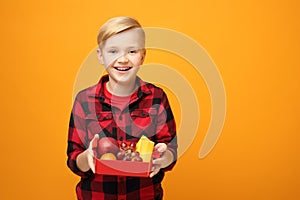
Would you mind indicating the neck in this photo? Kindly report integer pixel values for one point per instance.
(120, 89)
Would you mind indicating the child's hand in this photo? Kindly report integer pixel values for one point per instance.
(165, 159)
(85, 160)
(91, 152)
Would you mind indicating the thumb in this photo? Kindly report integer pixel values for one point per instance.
(94, 142)
(91, 163)
(160, 147)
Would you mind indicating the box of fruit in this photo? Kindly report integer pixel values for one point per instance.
(124, 158)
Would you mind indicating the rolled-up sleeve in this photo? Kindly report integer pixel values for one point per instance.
(77, 138)
(167, 129)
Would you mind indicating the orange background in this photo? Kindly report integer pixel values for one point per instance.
(255, 45)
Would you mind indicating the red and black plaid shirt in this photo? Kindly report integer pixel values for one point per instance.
(148, 113)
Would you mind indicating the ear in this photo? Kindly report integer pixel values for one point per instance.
(143, 55)
(99, 55)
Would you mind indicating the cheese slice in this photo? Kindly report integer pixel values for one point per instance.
(145, 148)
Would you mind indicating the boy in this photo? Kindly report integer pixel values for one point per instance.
(124, 107)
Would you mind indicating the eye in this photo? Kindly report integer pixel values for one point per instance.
(133, 51)
(112, 51)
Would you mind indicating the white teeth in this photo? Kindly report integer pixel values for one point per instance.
(122, 68)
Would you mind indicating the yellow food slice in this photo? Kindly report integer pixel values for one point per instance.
(145, 148)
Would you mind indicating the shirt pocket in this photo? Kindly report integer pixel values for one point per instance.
(104, 116)
(143, 122)
(99, 122)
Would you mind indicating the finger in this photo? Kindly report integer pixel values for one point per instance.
(157, 161)
(155, 166)
(94, 142)
(161, 147)
(155, 171)
(91, 162)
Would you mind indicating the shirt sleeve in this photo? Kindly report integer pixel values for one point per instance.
(76, 138)
(166, 129)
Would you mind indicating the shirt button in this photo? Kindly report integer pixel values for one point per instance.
(121, 179)
(120, 117)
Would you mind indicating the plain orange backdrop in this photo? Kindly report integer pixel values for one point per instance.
(255, 45)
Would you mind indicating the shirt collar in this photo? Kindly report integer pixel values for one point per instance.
(98, 90)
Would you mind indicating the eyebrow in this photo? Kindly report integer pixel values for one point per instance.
(116, 47)
(111, 47)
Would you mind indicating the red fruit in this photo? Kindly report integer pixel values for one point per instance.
(127, 158)
(132, 146)
(135, 153)
(108, 145)
(123, 146)
(137, 159)
(121, 154)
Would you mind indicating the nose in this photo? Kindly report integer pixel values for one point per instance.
(122, 59)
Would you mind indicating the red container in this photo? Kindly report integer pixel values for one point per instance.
(123, 168)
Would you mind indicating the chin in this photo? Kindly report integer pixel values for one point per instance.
(123, 79)
(123, 76)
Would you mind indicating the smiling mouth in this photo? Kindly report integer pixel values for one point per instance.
(122, 69)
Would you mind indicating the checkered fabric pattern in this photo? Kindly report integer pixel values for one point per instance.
(148, 113)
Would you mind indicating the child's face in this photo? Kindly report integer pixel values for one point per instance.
(122, 54)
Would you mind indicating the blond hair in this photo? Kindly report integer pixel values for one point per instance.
(116, 25)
